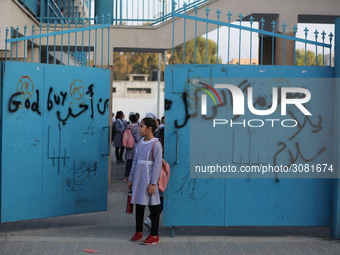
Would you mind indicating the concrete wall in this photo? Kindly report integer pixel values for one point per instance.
(127, 101)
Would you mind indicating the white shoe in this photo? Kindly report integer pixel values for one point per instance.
(147, 223)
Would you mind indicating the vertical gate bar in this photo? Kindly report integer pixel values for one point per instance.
(64, 7)
(195, 34)
(48, 12)
(284, 41)
(295, 30)
(185, 19)
(41, 14)
(149, 9)
(262, 25)
(47, 58)
(127, 11)
(25, 30)
(32, 42)
(68, 42)
(89, 45)
(83, 8)
(108, 40)
(102, 51)
(62, 43)
(75, 43)
(116, 9)
(239, 45)
(6, 43)
(163, 10)
(55, 29)
(218, 31)
(229, 18)
(137, 11)
(90, 11)
(173, 31)
(316, 47)
(206, 42)
(95, 44)
(323, 47)
(69, 9)
(74, 11)
(40, 26)
(82, 42)
(16, 44)
(12, 43)
(251, 36)
(306, 33)
(143, 9)
(121, 12)
(273, 39)
(330, 49)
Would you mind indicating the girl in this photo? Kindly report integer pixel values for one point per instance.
(143, 180)
(130, 153)
(118, 136)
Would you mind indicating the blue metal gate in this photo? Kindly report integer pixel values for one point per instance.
(245, 200)
(55, 119)
(192, 139)
(54, 140)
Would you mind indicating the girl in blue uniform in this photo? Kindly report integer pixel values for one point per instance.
(143, 180)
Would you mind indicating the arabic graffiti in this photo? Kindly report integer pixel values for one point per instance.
(58, 101)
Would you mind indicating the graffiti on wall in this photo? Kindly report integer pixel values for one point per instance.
(289, 149)
(29, 98)
(79, 175)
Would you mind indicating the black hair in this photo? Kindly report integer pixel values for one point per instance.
(137, 114)
(133, 118)
(150, 122)
(119, 115)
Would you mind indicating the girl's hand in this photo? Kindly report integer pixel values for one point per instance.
(151, 189)
(129, 185)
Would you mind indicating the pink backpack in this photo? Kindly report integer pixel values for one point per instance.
(128, 140)
(165, 173)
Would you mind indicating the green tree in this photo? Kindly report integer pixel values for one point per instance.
(200, 52)
(125, 63)
(310, 58)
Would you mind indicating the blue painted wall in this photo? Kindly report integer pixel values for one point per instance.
(274, 201)
(55, 144)
(335, 227)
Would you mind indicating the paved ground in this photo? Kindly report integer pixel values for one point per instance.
(109, 233)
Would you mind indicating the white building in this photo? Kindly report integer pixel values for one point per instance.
(138, 96)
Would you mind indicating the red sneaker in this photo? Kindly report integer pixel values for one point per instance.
(136, 237)
(151, 240)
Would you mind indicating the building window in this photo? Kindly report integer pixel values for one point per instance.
(114, 90)
(139, 90)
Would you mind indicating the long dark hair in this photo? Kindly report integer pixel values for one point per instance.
(119, 115)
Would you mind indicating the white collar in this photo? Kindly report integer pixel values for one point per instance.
(147, 142)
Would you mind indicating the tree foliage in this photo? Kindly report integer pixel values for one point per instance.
(310, 58)
(125, 63)
(200, 52)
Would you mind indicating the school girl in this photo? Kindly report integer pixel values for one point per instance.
(143, 180)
